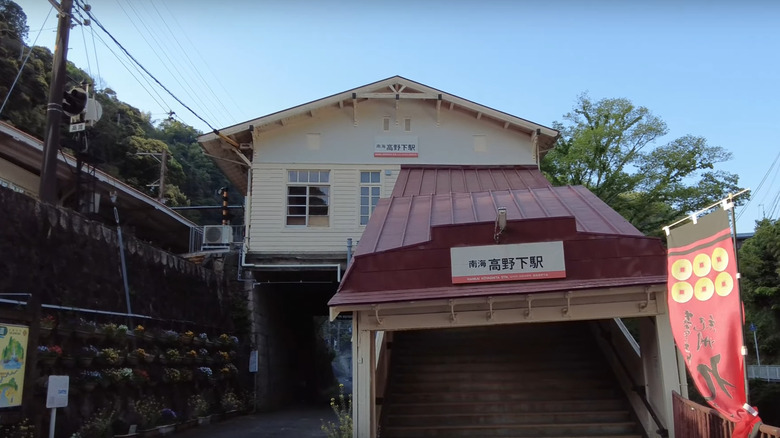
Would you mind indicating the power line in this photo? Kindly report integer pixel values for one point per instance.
(78, 2)
(760, 185)
(203, 61)
(189, 60)
(21, 68)
(147, 87)
(159, 50)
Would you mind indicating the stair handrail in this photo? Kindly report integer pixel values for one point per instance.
(638, 389)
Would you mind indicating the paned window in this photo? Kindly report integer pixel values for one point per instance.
(308, 198)
(370, 188)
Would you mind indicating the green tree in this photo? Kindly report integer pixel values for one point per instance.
(607, 146)
(759, 264)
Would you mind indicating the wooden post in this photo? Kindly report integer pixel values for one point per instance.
(363, 381)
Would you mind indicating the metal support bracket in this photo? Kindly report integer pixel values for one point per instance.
(565, 311)
(375, 308)
(528, 298)
(453, 315)
(354, 109)
(490, 307)
(643, 306)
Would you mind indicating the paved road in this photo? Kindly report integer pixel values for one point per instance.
(296, 423)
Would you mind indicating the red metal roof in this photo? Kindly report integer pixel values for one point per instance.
(403, 221)
(404, 253)
(432, 180)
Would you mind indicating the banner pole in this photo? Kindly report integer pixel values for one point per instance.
(730, 204)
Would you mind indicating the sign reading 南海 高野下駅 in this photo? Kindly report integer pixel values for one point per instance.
(396, 146)
(494, 263)
(13, 355)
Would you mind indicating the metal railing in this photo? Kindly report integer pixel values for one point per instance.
(196, 238)
(764, 372)
(692, 420)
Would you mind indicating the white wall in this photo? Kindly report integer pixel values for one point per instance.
(330, 141)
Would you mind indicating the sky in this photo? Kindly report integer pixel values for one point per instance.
(707, 67)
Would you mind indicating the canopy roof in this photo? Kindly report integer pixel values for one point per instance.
(149, 219)
(404, 253)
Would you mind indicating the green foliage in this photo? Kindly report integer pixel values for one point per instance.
(342, 407)
(606, 146)
(97, 426)
(759, 261)
(150, 411)
(198, 406)
(23, 429)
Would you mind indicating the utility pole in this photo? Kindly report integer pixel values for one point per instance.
(163, 159)
(51, 143)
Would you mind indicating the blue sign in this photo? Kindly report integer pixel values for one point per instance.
(752, 327)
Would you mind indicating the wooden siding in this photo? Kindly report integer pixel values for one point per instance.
(268, 232)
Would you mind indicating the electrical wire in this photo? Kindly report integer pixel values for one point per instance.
(217, 80)
(160, 52)
(147, 87)
(100, 25)
(86, 51)
(192, 64)
(21, 68)
(760, 185)
(97, 58)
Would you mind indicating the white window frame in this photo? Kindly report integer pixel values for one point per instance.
(371, 194)
(308, 184)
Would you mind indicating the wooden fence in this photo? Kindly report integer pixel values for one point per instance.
(692, 420)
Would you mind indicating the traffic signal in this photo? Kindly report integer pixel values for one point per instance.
(74, 102)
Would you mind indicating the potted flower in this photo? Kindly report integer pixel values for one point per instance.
(186, 375)
(86, 355)
(108, 330)
(139, 331)
(170, 356)
(187, 337)
(200, 339)
(85, 329)
(199, 408)
(168, 418)
(47, 355)
(223, 340)
(139, 377)
(98, 425)
(169, 336)
(230, 403)
(111, 356)
(136, 356)
(149, 410)
(171, 375)
(203, 373)
(47, 325)
(190, 357)
(223, 357)
(88, 379)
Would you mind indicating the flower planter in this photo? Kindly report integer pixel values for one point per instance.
(132, 360)
(149, 358)
(231, 414)
(88, 386)
(167, 429)
(85, 361)
(68, 361)
(203, 421)
(47, 360)
(149, 432)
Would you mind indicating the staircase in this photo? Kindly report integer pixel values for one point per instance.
(531, 380)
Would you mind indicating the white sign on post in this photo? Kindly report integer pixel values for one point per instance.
(57, 394)
(493, 263)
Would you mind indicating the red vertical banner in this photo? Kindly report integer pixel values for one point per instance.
(704, 310)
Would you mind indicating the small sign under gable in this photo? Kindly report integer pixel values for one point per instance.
(405, 146)
(495, 263)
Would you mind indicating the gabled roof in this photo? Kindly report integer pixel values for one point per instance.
(151, 220)
(403, 221)
(433, 180)
(404, 252)
(388, 88)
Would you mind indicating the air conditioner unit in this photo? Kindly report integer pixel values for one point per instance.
(217, 236)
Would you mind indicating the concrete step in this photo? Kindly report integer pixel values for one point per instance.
(547, 385)
(403, 407)
(417, 375)
(516, 430)
(490, 364)
(495, 419)
(503, 396)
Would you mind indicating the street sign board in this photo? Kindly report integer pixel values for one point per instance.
(57, 394)
(77, 127)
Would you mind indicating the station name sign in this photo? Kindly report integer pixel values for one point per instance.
(405, 146)
(496, 263)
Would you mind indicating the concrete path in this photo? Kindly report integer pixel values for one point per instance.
(293, 423)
